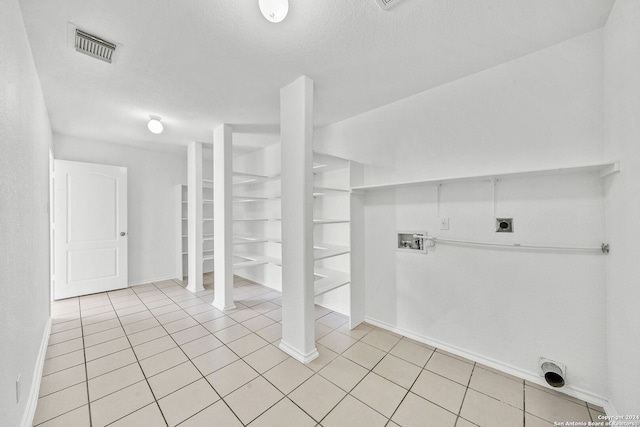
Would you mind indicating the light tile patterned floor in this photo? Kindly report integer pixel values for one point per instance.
(158, 355)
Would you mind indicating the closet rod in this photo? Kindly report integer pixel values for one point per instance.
(604, 248)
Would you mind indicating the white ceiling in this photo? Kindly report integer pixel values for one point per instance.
(199, 63)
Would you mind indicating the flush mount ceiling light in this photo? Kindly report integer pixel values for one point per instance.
(155, 125)
(274, 10)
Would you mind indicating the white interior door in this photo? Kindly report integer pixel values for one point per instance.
(89, 228)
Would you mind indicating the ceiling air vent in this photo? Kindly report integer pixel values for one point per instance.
(94, 46)
(387, 4)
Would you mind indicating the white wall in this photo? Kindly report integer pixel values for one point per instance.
(25, 138)
(503, 306)
(152, 178)
(622, 140)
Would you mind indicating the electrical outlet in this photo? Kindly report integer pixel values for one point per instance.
(444, 223)
(18, 389)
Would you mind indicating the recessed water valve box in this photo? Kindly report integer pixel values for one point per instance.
(504, 225)
(412, 241)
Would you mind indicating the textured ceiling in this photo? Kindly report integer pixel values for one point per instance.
(199, 63)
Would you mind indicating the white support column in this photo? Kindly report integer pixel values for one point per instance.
(223, 218)
(194, 210)
(356, 243)
(296, 134)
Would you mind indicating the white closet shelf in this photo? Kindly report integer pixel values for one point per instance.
(324, 250)
(329, 221)
(245, 239)
(206, 201)
(252, 219)
(207, 255)
(250, 260)
(206, 183)
(328, 191)
(241, 178)
(323, 163)
(246, 199)
(606, 168)
(205, 237)
(320, 250)
(328, 280)
(206, 251)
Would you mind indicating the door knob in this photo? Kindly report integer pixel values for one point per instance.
(122, 233)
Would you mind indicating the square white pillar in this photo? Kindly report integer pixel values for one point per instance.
(296, 129)
(223, 218)
(194, 211)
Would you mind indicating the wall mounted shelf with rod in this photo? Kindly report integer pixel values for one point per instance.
(605, 169)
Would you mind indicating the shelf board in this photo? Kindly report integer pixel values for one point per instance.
(251, 260)
(244, 199)
(245, 239)
(329, 221)
(204, 236)
(249, 263)
(204, 201)
(328, 280)
(242, 178)
(328, 191)
(208, 257)
(604, 169)
(324, 251)
(323, 163)
(251, 219)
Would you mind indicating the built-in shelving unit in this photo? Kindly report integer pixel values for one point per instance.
(605, 168)
(182, 236)
(256, 201)
(255, 210)
(332, 182)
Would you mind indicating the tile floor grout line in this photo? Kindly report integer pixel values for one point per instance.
(197, 369)
(466, 390)
(144, 375)
(190, 301)
(524, 404)
(84, 352)
(361, 379)
(211, 385)
(73, 409)
(414, 381)
(285, 396)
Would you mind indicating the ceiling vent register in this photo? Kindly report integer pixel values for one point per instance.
(387, 4)
(94, 46)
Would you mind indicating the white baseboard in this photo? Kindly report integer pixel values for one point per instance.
(532, 377)
(147, 281)
(610, 409)
(223, 308)
(300, 357)
(32, 402)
